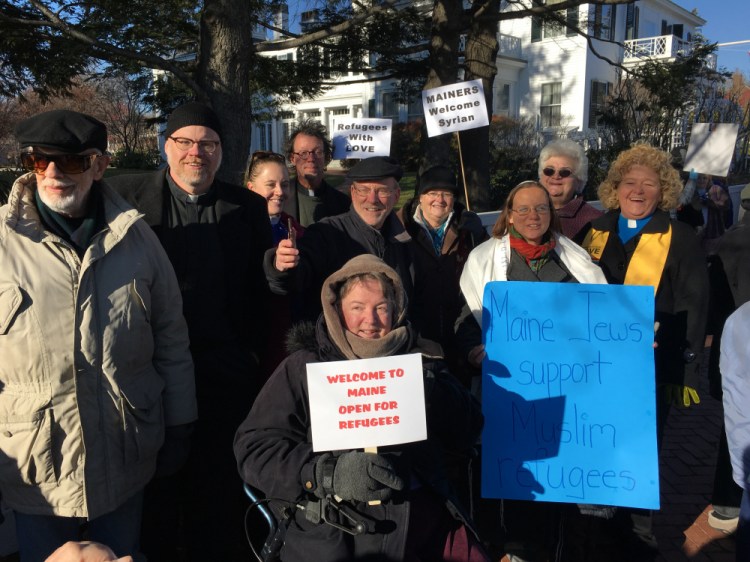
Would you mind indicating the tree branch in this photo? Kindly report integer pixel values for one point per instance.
(101, 47)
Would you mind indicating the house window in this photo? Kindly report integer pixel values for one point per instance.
(371, 111)
(390, 105)
(597, 101)
(549, 109)
(415, 109)
(602, 22)
(631, 21)
(548, 28)
(502, 100)
(340, 111)
(265, 136)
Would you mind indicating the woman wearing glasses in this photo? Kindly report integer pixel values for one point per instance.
(563, 171)
(526, 245)
(444, 233)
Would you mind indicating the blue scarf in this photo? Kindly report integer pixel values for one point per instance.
(437, 235)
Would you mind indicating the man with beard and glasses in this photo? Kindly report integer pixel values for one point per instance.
(215, 234)
(312, 198)
(95, 366)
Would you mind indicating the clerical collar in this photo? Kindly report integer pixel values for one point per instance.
(629, 228)
(182, 195)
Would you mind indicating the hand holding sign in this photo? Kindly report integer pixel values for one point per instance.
(357, 476)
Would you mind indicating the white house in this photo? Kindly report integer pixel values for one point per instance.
(545, 71)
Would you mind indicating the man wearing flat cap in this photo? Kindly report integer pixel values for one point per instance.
(444, 234)
(95, 360)
(369, 227)
(215, 234)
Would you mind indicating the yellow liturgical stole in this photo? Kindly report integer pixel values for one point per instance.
(648, 261)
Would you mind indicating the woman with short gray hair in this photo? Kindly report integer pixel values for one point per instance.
(563, 171)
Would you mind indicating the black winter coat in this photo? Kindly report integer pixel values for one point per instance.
(273, 447)
(329, 244)
(332, 202)
(682, 298)
(245, 234)
(437, 300)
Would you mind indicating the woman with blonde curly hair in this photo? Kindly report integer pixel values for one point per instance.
(636, 243)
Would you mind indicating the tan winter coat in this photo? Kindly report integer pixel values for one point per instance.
(94, 360)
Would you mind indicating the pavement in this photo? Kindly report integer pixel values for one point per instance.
(686, 466)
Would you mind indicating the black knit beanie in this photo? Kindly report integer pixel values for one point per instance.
(192, 114)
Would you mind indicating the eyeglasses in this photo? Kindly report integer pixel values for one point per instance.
(305, 154)
(380, 192)
(66, 163)
(447, 195)
(540, 209)
(184, 144)
(562, 172)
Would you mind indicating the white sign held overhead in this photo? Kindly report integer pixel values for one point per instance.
(711, 148)
(457, 107)
(366, 402)
(361, 138)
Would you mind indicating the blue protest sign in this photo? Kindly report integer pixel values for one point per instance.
(568, 394)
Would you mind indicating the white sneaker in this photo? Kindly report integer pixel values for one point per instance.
(727, 525)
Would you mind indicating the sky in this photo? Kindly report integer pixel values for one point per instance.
(726, 21)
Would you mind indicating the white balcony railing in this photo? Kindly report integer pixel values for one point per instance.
(662, 47)
(508, 45)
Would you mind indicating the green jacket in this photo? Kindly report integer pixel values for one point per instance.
(95, 360)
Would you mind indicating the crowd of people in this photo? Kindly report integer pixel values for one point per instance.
(155, 330)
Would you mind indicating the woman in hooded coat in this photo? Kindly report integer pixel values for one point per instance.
(417, 516)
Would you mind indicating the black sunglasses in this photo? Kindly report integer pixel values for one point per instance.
(562, 172)
(66, 163)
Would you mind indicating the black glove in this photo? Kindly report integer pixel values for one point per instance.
(356, 476)
(175, 450)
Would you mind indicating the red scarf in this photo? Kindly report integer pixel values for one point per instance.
(535, 256)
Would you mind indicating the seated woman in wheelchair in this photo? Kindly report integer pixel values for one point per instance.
(326, 499)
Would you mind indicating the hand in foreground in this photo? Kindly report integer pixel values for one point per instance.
(287, 255)
(476, 356)
(357, 476)
(679, 395)
(85, 552)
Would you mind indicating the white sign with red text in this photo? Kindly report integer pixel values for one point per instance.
(457, 107)
(366, 402)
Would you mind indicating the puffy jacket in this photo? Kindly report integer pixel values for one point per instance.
(273, 447)
(95, 360)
